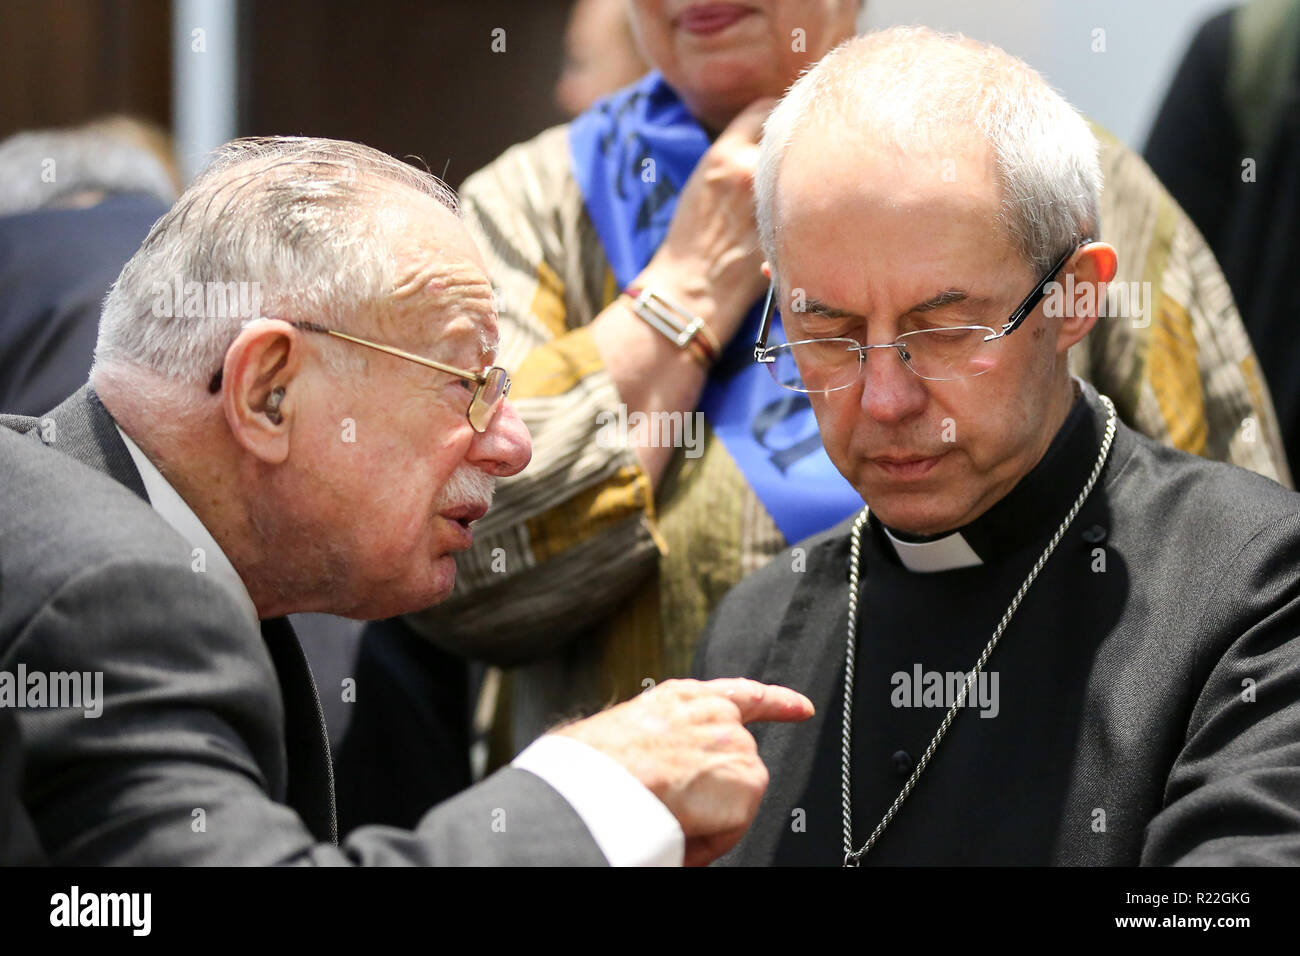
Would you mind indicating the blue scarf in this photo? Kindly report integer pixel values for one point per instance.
(632, 153)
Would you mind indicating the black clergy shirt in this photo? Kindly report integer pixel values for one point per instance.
(1142, 706)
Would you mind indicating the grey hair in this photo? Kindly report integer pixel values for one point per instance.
(41, 168)
(912, 87)
(298, 219)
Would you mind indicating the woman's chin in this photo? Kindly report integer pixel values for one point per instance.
(727, 83)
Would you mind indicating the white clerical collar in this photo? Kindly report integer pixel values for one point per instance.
(173, 509)
(945, 554)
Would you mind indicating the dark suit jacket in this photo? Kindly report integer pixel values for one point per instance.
(1161, 688)
(211, 745)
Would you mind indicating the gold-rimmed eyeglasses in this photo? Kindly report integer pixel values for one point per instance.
(492, 384)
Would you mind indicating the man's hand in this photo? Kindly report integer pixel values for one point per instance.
(685, 741)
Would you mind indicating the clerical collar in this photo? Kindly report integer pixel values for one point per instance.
(946, 553)
(1026, 514)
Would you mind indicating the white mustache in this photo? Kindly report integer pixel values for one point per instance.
(466, 486)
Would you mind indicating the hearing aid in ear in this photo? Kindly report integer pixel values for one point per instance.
(273, 405)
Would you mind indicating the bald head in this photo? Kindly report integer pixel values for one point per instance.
(920, 98)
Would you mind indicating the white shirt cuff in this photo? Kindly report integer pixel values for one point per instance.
(628, 822)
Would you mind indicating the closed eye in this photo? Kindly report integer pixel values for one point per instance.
(951, 321)
(824, 329)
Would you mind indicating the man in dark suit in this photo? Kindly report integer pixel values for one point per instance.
(321, 441)
(1047, 640)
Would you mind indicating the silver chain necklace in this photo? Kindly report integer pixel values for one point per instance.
(854, 857)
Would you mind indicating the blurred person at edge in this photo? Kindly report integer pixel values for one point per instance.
(1227, 144)
(74, 204)
(599, 566)
(600, 55)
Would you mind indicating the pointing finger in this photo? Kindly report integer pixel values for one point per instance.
(758, 701)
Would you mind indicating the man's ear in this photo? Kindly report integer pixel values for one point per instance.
(257, 393)
(1092, 267)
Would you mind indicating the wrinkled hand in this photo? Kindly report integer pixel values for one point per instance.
(710, 258)
(685, 741)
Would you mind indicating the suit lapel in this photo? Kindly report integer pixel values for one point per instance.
(307, 749)
(808, 656)
(83, 429)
